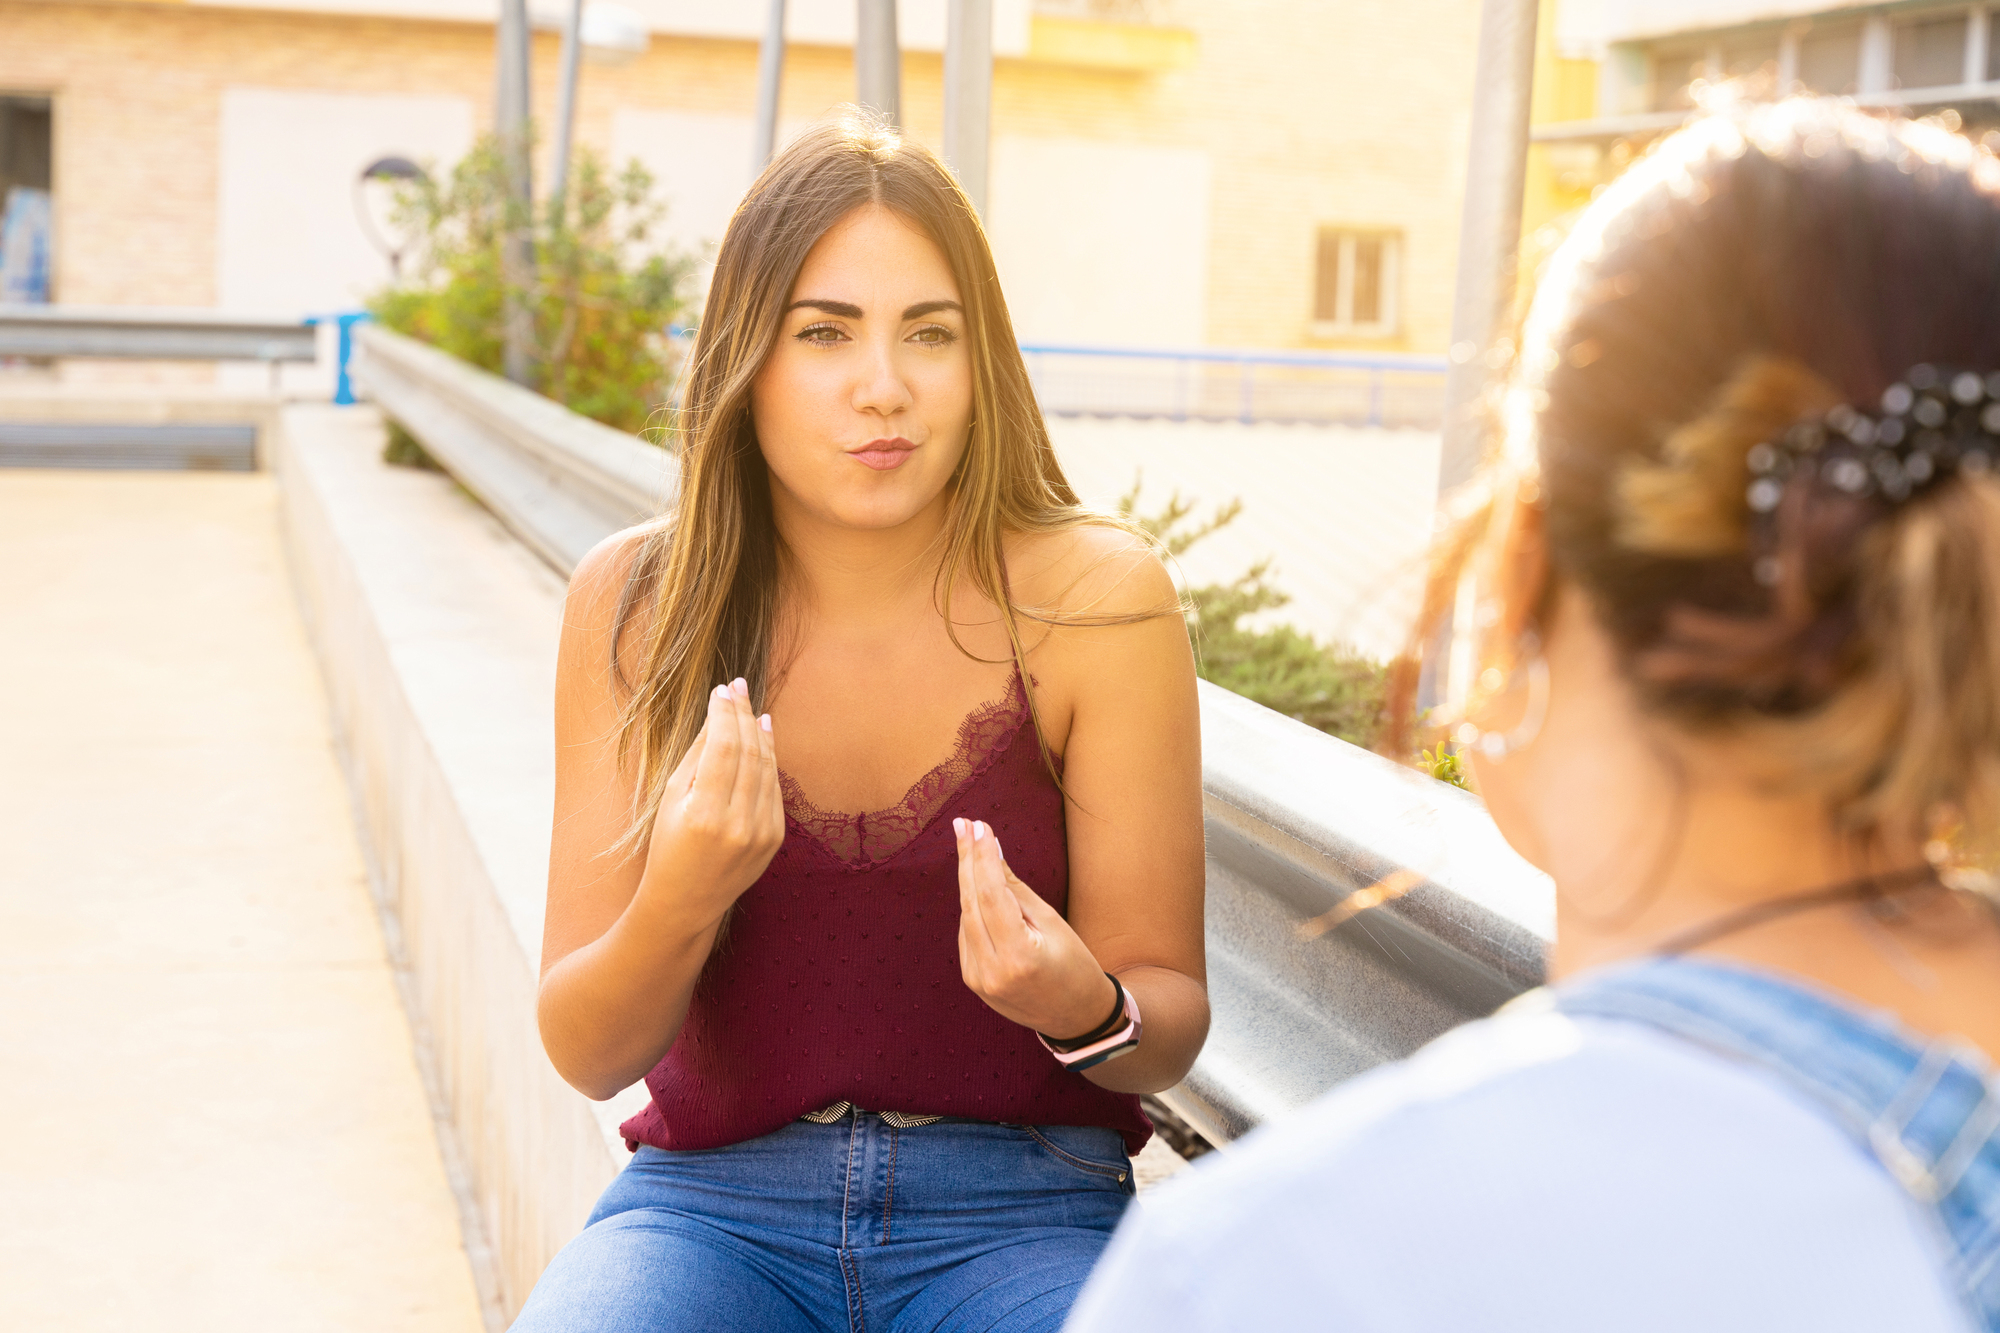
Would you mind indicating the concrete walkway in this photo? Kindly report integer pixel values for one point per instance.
(210, 1115)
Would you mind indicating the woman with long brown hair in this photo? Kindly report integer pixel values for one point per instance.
(1733, 606)
(878, 830)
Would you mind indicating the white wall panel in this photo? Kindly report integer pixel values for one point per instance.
(1342, 512)
(1102, 243)
(700, 164)
(288, 241)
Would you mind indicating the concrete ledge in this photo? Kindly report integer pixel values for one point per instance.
(560, 481)
(436, 631)
(39, 402)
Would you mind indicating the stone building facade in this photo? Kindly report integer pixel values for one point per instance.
(1616, 75)
(1167, 173)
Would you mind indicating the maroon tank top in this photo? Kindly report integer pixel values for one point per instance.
(838, 979)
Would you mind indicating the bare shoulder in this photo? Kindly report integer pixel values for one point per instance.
(598, 584)
(1113, 644)
(1092, 568)
(591, 612)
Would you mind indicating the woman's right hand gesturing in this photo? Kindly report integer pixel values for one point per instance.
(722, 817)
(622, 957)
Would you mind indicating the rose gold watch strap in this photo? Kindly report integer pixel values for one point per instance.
(1125, 1036)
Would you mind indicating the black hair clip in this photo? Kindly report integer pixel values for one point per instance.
(1934, 424)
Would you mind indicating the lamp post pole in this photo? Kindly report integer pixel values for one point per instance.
(770, 79)
(572, 55)
(1489, 233)
(968, 94)
(518, 251)
(878, 60)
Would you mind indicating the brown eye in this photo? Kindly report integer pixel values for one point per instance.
(818, 333)
(934, 335)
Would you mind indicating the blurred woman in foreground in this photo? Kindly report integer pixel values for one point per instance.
(1735, 592)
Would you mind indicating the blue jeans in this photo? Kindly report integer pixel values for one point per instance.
(856, 1225)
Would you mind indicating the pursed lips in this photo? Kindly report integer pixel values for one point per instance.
(882, 455)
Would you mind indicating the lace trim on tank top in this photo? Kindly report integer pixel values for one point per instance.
(867, 839)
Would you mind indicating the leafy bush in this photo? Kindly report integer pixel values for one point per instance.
(403, 449)
(606, 289)
(1328, 686)
(1445, 765)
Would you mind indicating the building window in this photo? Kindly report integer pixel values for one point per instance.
(1830, 58)
(26, 206)
(1354, 282)
(1752, 56)
(1930, 52)
(1675, 69)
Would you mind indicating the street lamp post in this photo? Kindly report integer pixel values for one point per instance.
(770, 78)
(393, 171)
(572, 54)
(510, 122)
(1489, 233)
(968, 94)
(878, 60)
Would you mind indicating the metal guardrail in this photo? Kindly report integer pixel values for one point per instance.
(561, 482)
(194, 446)
(1356, 908)
(152, 334)
(1315, 388)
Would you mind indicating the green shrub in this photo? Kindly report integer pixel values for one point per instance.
(1445, 765)
(1328, 686)
(403, 450)
(606, 288)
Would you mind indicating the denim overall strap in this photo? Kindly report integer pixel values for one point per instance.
(1930, 1113)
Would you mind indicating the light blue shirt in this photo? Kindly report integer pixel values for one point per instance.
(1535, 1172)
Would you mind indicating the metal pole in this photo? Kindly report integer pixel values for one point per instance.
(770, 78)
(518, 252)
(968, 94)
(572, 52)
(878, 61)
(1489, 233)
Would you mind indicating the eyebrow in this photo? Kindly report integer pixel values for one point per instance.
(848, 310)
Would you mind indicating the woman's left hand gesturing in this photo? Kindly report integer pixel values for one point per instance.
(1016, 952)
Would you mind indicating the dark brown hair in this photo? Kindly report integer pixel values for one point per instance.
(1753, 271)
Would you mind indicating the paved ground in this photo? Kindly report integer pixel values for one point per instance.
(210, 1116)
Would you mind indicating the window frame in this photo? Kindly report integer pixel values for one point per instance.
(1969, 16)
(1388, 280)
(49, 102)
(1661, 95)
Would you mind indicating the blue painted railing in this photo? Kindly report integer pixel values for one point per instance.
(1219, 384)
(343, 384)
(1203, 384)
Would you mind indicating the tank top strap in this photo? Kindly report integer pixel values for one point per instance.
(1928, 1111)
